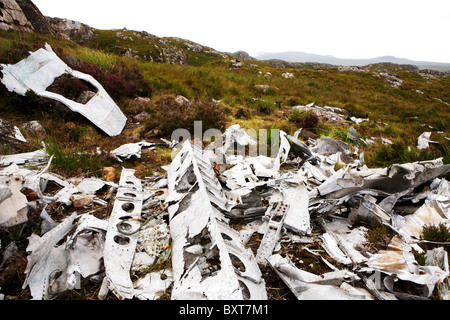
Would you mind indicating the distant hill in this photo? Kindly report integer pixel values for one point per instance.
(302, 57)
(25, 16)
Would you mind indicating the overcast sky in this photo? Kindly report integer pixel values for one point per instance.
(412, 29)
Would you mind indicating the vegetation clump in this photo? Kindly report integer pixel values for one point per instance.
(435, 236)
(167, 115)
(121, 81)
(247, 95)
(378, 238)
(305, 119)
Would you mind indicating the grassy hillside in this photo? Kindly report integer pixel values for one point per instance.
(255, 95)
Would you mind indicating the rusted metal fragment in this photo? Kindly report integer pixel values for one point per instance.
(429, 214)
(399, 260)
(206, 253)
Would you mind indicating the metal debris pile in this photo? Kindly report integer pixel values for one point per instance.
(177, 230)
(321, 194)
(83, 247)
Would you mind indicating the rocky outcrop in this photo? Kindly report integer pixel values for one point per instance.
(12, 17)
(34, 15)
(70, 29)
(243, 55)
(24, 15)
(296, 65)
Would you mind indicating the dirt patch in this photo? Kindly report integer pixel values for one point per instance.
(72, 88)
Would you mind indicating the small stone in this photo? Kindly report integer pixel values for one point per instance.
(288, 75)
(85, 96)
(141, 101)
(33, 129)
(109, 174)
(182, 101)
(141, 116)
(81, 200)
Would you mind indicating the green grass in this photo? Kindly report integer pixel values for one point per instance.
(105, 61)
(208, 76)
(69, 162)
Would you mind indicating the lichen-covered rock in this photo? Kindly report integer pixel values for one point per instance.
(70, 29)
(12, 17)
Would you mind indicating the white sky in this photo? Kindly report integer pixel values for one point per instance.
(412, 29)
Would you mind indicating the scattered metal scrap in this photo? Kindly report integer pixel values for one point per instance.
(82, 247)
(40, 69)
(205, 250)
(327, 201)
(129, 150)
(119, 247)
(340, 202)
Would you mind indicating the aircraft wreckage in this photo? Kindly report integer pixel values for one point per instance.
(300, 196)
(40, 69)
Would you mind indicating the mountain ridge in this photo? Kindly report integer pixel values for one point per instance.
(28, 17)
(304, 57)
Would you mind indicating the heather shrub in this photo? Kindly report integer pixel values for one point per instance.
(307, 120)
(243, 113)
(265, 107)
(70, 87)
(432, 237)
(378, 237)
(13, 52)
(435, 236)
(168, 116)
(356, 110)
(121, 81)
(211, 115)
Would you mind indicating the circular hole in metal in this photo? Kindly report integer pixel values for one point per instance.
(163, 276)
(121, 239)
(124, 226)
(128, 207)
